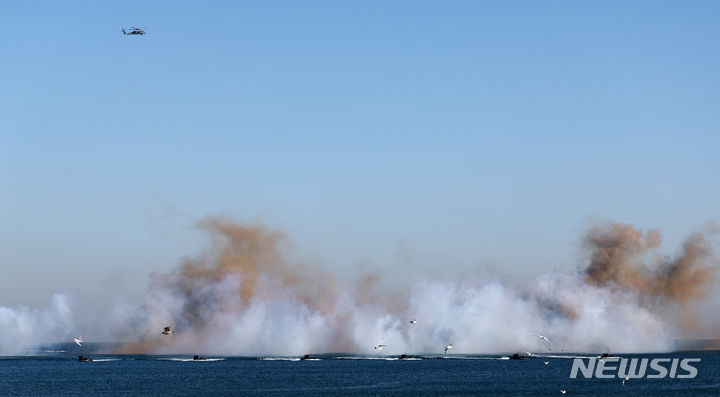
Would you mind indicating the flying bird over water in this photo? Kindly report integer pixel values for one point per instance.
(543, 338)
(448, 347)
(379, 347)
(78, 341)
(413, 321)
(168, 331)
(563, 391)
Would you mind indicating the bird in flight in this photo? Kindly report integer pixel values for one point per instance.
(413, 321)
(379, 347)
(78, 341)
(543, 338)
(168, 331)
(448, 347)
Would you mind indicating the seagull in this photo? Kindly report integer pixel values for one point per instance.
(547, 362)
(78, 341)
(563, 391)
(543, 338)
(627, 378)
(413, 321)
(448, 347)
(167, 331)
(379, 347)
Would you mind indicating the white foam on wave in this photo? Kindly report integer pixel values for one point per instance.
(376, 358)
(571, 356)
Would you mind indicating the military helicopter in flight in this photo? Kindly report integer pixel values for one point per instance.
(134, 30)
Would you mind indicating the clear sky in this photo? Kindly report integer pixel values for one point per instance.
(419, 137)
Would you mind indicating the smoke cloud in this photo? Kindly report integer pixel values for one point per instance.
(242, 296)
(22, 328)
(617, 253)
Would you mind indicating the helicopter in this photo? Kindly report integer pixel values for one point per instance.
(134, 30)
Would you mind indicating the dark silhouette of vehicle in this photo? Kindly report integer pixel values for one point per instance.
(134, 31)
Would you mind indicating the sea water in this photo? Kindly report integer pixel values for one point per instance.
(335, 374)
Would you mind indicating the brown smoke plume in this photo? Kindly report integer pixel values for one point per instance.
(617, 260)
(248, 252)
(243, 296)
(253, 257)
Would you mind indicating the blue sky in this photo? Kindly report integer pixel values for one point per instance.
(418, 137)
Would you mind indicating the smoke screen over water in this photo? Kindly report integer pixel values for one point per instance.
(242, 296)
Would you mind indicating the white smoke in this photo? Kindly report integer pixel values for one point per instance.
(243, 298)
(489, 318)
(22, 328)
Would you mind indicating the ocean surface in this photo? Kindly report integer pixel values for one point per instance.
(60, 373)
